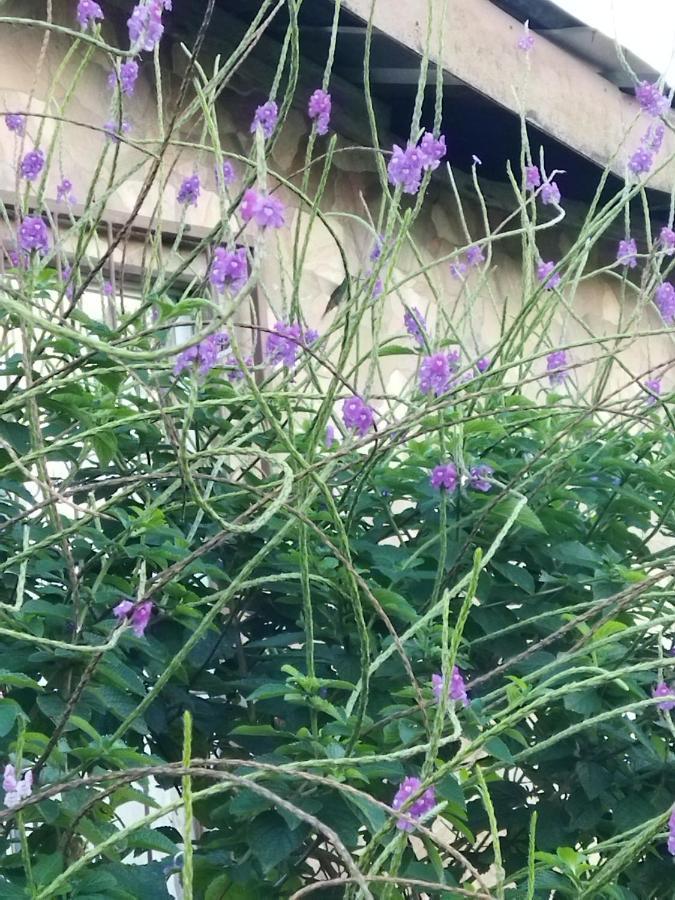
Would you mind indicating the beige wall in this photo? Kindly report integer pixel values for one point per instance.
(475, 308)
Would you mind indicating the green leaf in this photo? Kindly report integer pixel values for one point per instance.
(9, 713)
(271, 840)
(526, 518)
(371, 815)
(395, 605)
(151, 839)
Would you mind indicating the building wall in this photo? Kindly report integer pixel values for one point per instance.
(475, 307)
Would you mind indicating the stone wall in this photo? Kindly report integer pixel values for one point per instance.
(476, 306)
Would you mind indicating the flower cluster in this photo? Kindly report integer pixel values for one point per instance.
(205, 353)
(127, 77)
(664, 690)
(189, 191)
(651, 99)
(642, 159)
(406, 167)
(653, 389)
(627, 253)
(88, 12)
(667, 239)
(234, 370)
(145, 24)
(550, 194)
(16, 789)
(436, 372)
(229, 268)
(456, 690)
(424, 804)
(32, 164)
(357, 415)
(114, 129)
(483, 364)
(532, 177)
(671, 833)
(284, 344)
(665, 301)
(545, 274)
(227, 173)
(445, 476)
(473, 257)
(319, 110)
(415, 325)
(556, 366)
(15, 122)
(266, 211)
(526, 40)
(33, 234)
(137, 615)
(479, 478)
(266, 116)
(64, 191)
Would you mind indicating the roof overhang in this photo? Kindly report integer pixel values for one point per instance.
(559, 93)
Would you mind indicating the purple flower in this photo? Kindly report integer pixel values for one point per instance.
(483, 364)
(267, 211)
(436, 372)
(88, 12)
(416, 810)
(15, 122)
(378, 289)
(479, 478)
(319, 110)
(189, 191)
(330, 435)
(556, 366)
(145, 24)
(357, 415)
(127, 78)
(653, 137)
(33, 234)
(235, 372)
(32, 164)
(15, 789)
(671, 833)
(205, 353)
(266, 116)
(283, 346)
(457, 689)
(664, 690)
(433, 150)
(228, 172)
(229, 267)
(665, 301)
(64, 191)
(651, 99)
(406, 167)
(113, 130)
(67, 279)
(415, 325)
(667, 238)
(546, 276)
(627, 253)
(653, 388)
(532, 177)
(641, 161)
(550, 194)
(139, 616)
(378, 246)
(526, 40)
(474, 257)
(445, 476)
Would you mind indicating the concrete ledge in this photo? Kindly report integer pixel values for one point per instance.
(560, 93)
